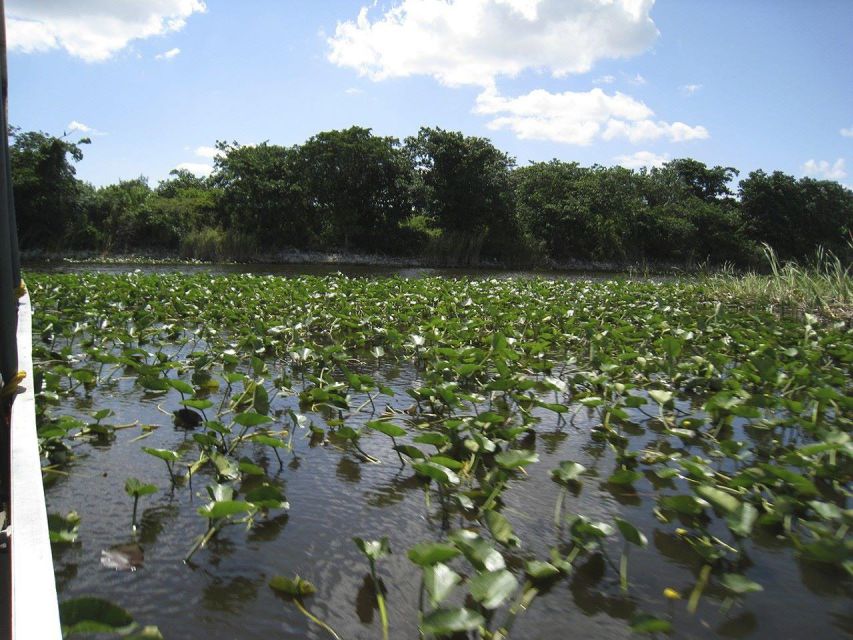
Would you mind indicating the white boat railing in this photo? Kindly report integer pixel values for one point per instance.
(35, 612)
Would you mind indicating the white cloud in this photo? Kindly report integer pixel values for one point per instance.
(822, 169)
(640, 159)
(196, 168)
(75, 125)
(93, 30)
(167, 55)
(637, 80)
(471, 42)
(580, 117)
(207, 152)
(78, 126)
(688, 90)
(847, 133)
(353, 91)
(608, 79)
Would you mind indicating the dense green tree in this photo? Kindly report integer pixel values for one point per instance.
(796, 216)
(47, 194)
(118, 212)
(465, 185)
(358, 187)
(261, 194)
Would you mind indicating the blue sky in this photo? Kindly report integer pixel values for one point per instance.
(154, 83)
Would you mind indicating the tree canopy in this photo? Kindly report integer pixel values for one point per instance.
(441, 195)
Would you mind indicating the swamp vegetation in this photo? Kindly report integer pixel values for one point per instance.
(439, 197)
(466, 457)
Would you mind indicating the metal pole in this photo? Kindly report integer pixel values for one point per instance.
(9, 267)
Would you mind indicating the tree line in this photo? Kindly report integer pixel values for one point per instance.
(439, 195)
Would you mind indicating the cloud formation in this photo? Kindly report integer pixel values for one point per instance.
(472, 42)
(688, 90)
(93, 30)
(847, 132)
(640, 159)
(168, 55)
(78, 126)
(207, 152)
(196, 168)
(823, 169)
(580, 117)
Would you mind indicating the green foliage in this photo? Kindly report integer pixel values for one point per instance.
(443, 196)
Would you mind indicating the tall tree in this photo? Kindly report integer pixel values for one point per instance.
(466, 183)
(47, 192)
(261, 194)
(358, 185)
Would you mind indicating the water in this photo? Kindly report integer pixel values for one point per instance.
(334, 495)
(294, 270)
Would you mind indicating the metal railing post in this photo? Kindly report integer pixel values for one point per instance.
(10, 275)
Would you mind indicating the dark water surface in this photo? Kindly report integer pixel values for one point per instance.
(334, 495)
(295, 270)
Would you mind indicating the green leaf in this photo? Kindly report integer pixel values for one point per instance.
(478, 551)
(93, 615)
(163, 454)
(539, 570)
(802, 485)
(645, 623)
(373, 549)
(686, 504)
(250, 468)
(445, 621)
(412, 452)
(567, 472)
(295, 587)
(659, 396)
(742, 520)
(631, 533)
(739, 584)
(251, 419)
(429, 553)
(491, 588)
(437, 472)
(624, 477)
(516, 458)
(195, 403)
(267, 496)
(225, 466)
(718, 498)
(388, 428)
(134, 487)
(501, 529)
(439, 580)
(216, 510)
(269, 441)
(181, 386)
(434, 439)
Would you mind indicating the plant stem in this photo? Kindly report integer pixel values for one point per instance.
(558, 508)
(315, 619)
(699, 588)
(203, 540)
(380, 600)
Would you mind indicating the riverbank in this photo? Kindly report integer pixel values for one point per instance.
(346, 258)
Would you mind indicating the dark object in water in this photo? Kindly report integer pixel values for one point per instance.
(187, 418)
(123, 557)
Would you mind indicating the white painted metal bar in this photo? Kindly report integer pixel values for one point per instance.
(35, 612)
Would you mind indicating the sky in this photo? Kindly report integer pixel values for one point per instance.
(752, 84)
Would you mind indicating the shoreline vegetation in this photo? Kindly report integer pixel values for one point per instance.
(439, 198)
(822, 286)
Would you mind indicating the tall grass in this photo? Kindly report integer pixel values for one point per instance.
(823, 287)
